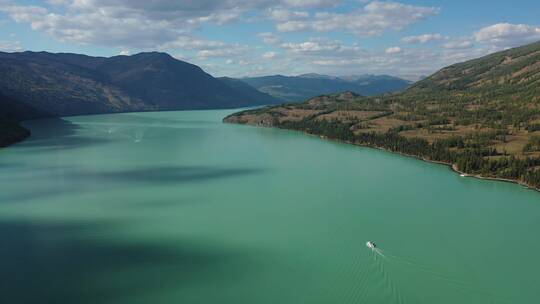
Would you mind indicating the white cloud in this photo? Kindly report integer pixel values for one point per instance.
(207, 49)
(239, 62)
(312, 46)
(293, 26)
(508, 35)
(372, 20)
(11, 46)
(269, 55)
(192, 43)
(140, 23)
(287, 15)
(459, 44)
(333, 62)
(168, 25)
(269, 38)
(100, 26)
(422, 38)
(311, 3)
(393, 50)
(321, 47)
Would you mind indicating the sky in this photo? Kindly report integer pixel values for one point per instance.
(240, 38)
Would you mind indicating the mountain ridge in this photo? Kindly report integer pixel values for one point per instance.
(81, 84)
(481, 117)
(305, 86)
(64, 84)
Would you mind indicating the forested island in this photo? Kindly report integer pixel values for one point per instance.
(482, 117)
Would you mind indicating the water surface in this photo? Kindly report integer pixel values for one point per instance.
(176, 207)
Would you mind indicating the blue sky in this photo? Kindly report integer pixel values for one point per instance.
(260, 37)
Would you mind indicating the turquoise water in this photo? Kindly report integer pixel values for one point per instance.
(176, 207)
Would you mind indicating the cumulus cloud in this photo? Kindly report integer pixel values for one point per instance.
(311, 3)
(192, 43)
(10, 46)
(422, 38)
(321, 47)
(130, 30)
(458, 44)
(269, 55)
(508, 35)
(96, 27)
(269, 38)
(372, 20)
(287, 15)
(140, 23)
(240, 62)
(393, 50)
(336, 58)
(228, 50)
(170, 25)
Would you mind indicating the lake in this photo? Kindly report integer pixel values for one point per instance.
(177, 207)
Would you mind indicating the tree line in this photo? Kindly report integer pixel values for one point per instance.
(470, 158)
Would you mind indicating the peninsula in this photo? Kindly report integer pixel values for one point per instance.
(482, 117)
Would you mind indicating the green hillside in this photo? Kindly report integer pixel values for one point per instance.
(481, 116)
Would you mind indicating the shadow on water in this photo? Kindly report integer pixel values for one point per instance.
(162, 175)
(48, 263)
(5, 166)
(57, 134)
(77, 180)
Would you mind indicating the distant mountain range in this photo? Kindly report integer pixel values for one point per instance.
(71, 84)
(300, 88)
(250, 92)
(42, 84)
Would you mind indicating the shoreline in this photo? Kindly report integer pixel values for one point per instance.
(453, 167)
(13, 133)
(26, 136)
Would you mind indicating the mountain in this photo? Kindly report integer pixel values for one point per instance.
(72, 84)
(317, 76)
(378, 84)
(250, 93)
(11, 113)
(41, 84)
(17, 111)
(482, 117)
(298, 88)
(513, 74)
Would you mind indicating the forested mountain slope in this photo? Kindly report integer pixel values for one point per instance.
(481, 116)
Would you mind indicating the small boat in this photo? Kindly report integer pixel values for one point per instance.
(463, 175)
(371, 245)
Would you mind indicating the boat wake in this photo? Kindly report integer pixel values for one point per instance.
(381, 257)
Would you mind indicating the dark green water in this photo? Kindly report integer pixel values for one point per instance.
(177, 207)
